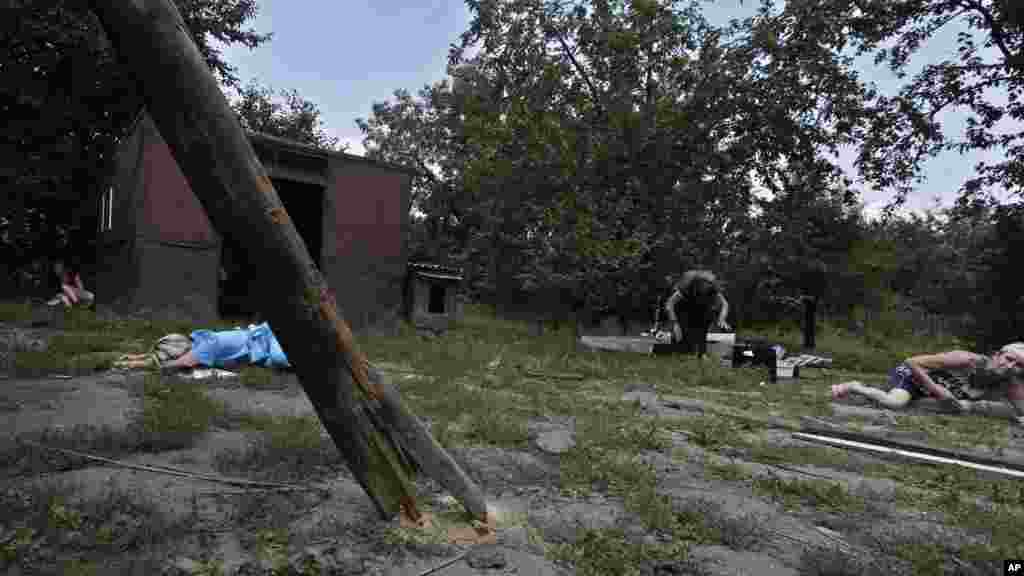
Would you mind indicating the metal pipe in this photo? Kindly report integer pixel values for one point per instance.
(871, 447)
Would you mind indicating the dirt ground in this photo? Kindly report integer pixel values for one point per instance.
(339, 528)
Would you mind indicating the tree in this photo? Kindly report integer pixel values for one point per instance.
(590, 148)
(1000, 308)
(64, 103)
(663, 118)
(808, 231)
(984, 77)
(295, 118)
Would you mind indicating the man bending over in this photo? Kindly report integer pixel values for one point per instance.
(695, 304)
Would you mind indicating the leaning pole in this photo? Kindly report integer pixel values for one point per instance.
(383, 444)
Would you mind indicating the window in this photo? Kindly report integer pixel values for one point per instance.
(436, 304)
(107, 210)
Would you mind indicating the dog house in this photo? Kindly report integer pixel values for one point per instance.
(431, 291)
(157, 251)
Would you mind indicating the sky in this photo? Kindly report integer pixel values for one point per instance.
(344, 56)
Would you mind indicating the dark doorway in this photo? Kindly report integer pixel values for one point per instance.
(436, 303)
(239, 265)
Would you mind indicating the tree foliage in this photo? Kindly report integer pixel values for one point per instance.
(983, 76)
(285, 114)
(592, 148)
(64, 102)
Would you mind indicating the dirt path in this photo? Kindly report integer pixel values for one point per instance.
(338, 528)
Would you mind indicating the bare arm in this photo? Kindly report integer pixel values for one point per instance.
(1015, 394)
(670, 306)
(723, 313)
(919, 365)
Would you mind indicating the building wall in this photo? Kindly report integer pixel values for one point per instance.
(166, 261)
(177, 282)
(176, 249)
(364, 255)
(116, 272)
(172, 213)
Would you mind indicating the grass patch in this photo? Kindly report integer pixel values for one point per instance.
(884, 345)
(998, 523)
(271, 547)
(86, 341)
(288, 448)
(20, 313)
(175, 413)
(968, 431)
(921, 557)
(260, 378)
(49, 526)
(19, 459)
(39, 363)
(609, 438)
(713, 432)
(730, 471)
(834, 458)
(611, 552)
(818, 494)
(473, 416)
(703, 521)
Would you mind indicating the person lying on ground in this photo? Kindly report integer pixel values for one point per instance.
(956, 378)
(72, 291)
(696, 298)
(213, 349)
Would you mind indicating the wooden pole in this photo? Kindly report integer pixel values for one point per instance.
(381, 441)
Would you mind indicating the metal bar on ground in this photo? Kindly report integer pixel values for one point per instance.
(619, 343)
(871, 447)
(837, 432)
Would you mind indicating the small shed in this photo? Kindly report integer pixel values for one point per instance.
(430, 295)
(158, 252)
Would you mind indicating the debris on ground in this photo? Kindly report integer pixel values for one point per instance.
(556, 441)
(207, 374)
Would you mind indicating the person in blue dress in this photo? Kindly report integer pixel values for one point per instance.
(222, 349)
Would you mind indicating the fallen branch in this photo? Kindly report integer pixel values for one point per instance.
(177, 471)
(444, 564)
(555, 376)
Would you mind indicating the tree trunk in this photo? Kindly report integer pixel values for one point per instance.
(810, 314)
(381, 441)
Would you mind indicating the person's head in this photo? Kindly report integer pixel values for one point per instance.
(171, 347)
(1010, 359)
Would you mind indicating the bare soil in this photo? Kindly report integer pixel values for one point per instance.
(339, 528)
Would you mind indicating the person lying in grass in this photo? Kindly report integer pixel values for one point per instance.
(212, 349)
(956, 378)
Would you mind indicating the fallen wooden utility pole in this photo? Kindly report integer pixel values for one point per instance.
(381, 441)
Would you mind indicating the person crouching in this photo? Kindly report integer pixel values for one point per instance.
(695, 304)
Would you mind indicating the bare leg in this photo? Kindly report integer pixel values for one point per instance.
(895, 399)
(69, 294)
